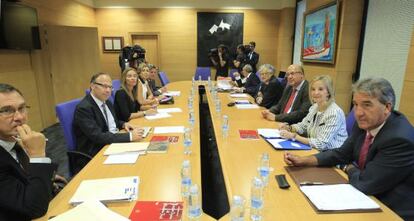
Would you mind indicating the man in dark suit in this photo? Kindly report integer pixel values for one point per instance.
(25, 173)
(379, 154)
(294, 103)
(252, 57)
(95, 123)
(249, 84)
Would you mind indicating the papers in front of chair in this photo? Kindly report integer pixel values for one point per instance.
(117, 148)
(338, 197)
(269, 133)
(171, 129)
(169, 110)
(242, 101)
(91, 210)
(239, 95)
(224, 84)
(247, 106)
(157, 116)
(107, 190)
(172, 93)
(122, 158)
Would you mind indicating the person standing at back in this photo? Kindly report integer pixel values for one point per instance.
(253, 57)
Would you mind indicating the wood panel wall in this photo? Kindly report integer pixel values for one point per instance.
(346, 53)
(406, 101)
(28, 70)
(177, 30)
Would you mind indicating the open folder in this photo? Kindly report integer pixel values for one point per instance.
(282, 144)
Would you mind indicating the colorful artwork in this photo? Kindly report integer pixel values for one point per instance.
(319, 34)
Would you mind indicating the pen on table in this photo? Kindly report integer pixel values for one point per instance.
(309, 183)
(19, 139)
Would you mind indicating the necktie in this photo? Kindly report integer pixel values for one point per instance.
(105, 113)
(290, 101)
(364, 150)
(21, 156)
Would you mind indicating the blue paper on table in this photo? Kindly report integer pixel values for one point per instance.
(282, 144)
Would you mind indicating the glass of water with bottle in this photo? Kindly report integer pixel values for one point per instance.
(194, 203)
(237, 208)
(185, 179)
(256, 199)
(187, 141)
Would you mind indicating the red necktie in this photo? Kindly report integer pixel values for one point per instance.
(364, 150)
(290, 101)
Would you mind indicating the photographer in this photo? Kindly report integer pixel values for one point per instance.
(252, 56)
(240, 60)
(220, 61)
(131, 57)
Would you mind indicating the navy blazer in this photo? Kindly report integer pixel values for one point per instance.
(300, 106)
(272, 92)
(90, 128)
(24, 195)
(251, 86)
(389, 168)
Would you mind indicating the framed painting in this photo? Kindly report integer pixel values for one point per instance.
(319, 34)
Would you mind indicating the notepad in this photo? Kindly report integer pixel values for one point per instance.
(166, 130)
(169, 110)
(107, 190)
(122, 158)
(339, 197)
(282, 144)
(268, 133)
(117, 148)
(172, 93)
(91, 210)
(158, 115)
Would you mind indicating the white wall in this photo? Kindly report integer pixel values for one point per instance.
(387, 41)
(301, 8)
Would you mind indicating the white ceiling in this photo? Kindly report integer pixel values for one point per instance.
(201, 4)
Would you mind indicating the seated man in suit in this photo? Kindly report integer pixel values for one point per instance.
(25, 173)
(379, 154)
(295, 103)
(95, 123)
(270, 90)
(249, 83)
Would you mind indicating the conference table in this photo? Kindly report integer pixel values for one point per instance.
(160, 173)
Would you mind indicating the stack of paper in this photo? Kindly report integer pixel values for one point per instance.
(117, 148)
(172, 93)
(107, 190)
(224, 84)
(123, 158)
(158, 115)
(247, 106)
(169, 110)
(166, 130)
(238, 95)
(269, 132)
(339, 197)
(90, 210)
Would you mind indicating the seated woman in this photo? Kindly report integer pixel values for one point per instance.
(144, 93)
(270, 90)
(153, 74)
(324, 127)
(125, 103)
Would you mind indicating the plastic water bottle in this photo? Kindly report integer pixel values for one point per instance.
(194, 206)
(256, 199)
(237, 209)
(187, 141)
(190, 103)
(264, 168)
(199, 78)
(191, 118)
(185, 179)
(209, 82)
(218, 106)
(225, 126)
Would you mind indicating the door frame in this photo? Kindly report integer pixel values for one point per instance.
(157, 34)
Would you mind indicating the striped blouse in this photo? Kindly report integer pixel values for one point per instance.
(325, 130)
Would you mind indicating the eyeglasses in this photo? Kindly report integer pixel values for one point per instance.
(10, 111)
(105, 86)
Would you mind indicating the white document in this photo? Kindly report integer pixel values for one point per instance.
(172, 93)
(239, 95)
(166, 130)
(247, 106)
(107, 190)
(157, 116)
(122, 158)
(269, 132)
(92, 210)
(117, 148)
(169, 110)
(338, 197)
(224, 84)
(242, 101)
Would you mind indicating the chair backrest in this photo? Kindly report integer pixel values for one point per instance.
(350, 121)
(116, 84)
(232, 71)
(204, 72)
(65, 112)
(163, 78)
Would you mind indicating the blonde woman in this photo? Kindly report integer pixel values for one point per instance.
(144, 94)
(324, 126)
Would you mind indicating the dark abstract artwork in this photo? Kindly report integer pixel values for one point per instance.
(217, 28)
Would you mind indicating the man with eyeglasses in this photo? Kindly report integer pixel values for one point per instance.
(25, 173)
(294, 103)
(95, 123)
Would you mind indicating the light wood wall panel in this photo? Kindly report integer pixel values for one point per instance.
(28, 71)
(177, 30)
(406, 103)
(346, 53)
